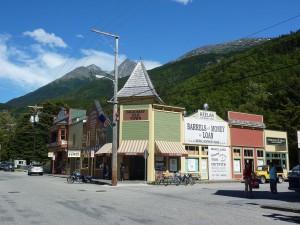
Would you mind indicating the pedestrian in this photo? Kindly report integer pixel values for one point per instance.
(122, 172)
(273, 179)
(247, 175)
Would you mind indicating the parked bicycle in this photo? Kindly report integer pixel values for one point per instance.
(173, 179)
(189, 179)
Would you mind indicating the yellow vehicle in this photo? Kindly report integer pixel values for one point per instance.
(262, 173)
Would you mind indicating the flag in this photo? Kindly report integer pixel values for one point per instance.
(105, 121)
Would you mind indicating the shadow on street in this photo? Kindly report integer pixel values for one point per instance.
(282, 196)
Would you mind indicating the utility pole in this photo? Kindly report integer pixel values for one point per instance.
(9, 141)
(114, 177)
(34, 119)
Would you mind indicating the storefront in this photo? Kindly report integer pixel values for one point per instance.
(94, 138)
(247, 141)
(150, 131)
(59, 133)
(206, 141)
(277, 148)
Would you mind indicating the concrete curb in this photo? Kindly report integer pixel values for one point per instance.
(287, 207)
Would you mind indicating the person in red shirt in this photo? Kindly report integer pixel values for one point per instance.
(247, 174)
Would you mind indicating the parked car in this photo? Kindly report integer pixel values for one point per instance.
(36, 169)
(10, 166)
(262, 173)
(294, 179)
(2, 165)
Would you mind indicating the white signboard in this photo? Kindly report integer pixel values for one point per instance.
(205, 132)
(219, 163)
(73, 154)
(92, 154)
(50, 154)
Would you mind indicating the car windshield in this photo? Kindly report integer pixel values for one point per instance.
(37, 165)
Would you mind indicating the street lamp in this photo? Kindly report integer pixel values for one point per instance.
(114, 166)
(34, 119)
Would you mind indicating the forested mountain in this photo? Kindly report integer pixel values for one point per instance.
(263, 80)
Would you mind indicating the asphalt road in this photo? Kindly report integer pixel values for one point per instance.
(39, 200)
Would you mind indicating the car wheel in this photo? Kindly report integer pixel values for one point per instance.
(29, 174)
(262, 179)
(280, 180)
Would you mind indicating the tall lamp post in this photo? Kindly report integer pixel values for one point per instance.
(34, 119)
(114, 165)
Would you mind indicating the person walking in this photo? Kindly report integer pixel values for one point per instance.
(273, 179)
(247, 174)
(122, 172)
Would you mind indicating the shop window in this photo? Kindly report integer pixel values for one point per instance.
(204, 150)
(160, 163)
(173, 165)
(237, 166)
(192, 165)
(63, 135)
(98, 162)
(260, 153)
(248, 152)
(85, 163)
(97, 137)
(237, 152)
(88, 138)
(283, 156)
(192, 150)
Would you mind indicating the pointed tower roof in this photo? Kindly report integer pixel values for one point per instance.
(139, 86)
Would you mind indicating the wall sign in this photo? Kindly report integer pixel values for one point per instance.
(276, 141)
(219, 163)
(138, 114)
(73, 154)
(206, 132)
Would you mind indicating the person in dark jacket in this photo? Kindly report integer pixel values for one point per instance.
(247, 175)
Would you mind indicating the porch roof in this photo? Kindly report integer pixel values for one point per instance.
(170, 148)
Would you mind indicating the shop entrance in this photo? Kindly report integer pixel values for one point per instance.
(137, 168)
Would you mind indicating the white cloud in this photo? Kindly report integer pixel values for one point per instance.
(79, 36)
(184, 2)
(31, 67)
(151, 64)
(45, 38)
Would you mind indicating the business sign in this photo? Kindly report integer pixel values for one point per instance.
(50, 154)
(206, 115)
(219, 163)
(205, 132)
(73, 154)
(138, 114)
(276, 141)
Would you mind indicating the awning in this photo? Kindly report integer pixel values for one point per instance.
(170, 148)
(105, 149)
(133, 147)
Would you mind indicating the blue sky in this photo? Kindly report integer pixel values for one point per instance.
(42, 40)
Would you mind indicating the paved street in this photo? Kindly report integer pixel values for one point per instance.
(51, 200)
